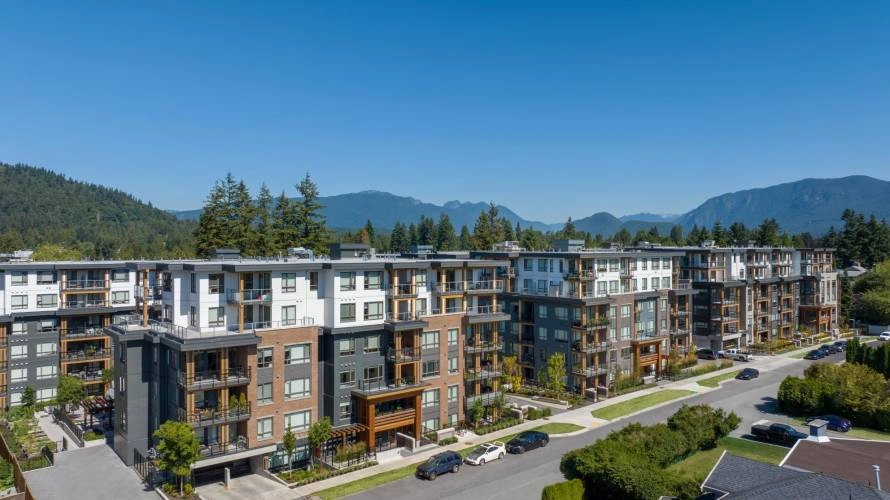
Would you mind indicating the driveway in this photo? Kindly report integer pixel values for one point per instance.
(94, 472)
(250, 486)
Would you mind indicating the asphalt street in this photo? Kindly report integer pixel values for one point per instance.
(520, 477)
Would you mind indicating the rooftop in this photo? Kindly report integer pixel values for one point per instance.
(849, 459)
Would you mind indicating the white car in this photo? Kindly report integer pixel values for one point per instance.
(486, 452)
(737, 355)
(884, 336)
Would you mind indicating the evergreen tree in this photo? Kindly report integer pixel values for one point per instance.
(494, 228)
(677, 235)
(398, 239)
(284, 224)
(465, 241)
(412, 234)
(243, 215)
(369, 231)
(767, 233)
(482, 238)
(653, 235)
(518, 231)
(738, 233)
(445, 237)
(568, 230)
(623, 236)
(426, 232)
(265, 235)
(721, 236)
(213, 229)
(310, 223)
(507, 230)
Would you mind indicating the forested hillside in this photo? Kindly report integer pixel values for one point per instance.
(39, 207)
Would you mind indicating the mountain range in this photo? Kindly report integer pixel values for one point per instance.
(808, 205)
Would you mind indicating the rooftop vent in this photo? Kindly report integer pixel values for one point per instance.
(300, 253)
(226, 253)
(817, 431)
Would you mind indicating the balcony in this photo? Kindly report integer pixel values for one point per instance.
(83, 332)
(648, 357)
(251, 296)
(85, 304)
(592, 347)
(449, 287)
(215, 379)
(403, 355)
(79, 285)
(485, 373)
(485, 286)
(583, 275)
(380, 386)
(643, 336)
(484, 346)
(276, 325)
(395, 417)
(88, 375)
(85, 355)
(527, 359)
(487, 399)
(204, 417)
(406, 290)
(218, 449)
(482, 314)
(153, 295)
(589, 372)
(182, 334)
(592, 324)
(408, 320)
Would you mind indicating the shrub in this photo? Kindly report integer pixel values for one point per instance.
(546, 412)
(188, 489)
(533, 414)
(447, 441)
(349, 452)
(566, 490)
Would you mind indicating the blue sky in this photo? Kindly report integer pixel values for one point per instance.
(553, 109)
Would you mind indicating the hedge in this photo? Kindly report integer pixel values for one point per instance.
(566, 490)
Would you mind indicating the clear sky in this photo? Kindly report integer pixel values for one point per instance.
(553, 109)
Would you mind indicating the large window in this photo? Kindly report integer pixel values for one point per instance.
(430, 340)
(527, 264)
(46, 348)
(372, 344)
(346, 347)
(296, 354)
(453, 334)
(373, 310)
(542, 265)
(216, 316)
(561, 335)
(625, 311)
(264, 357)
(561, 313)
(264, 393)
(542, 311)
(216, 283)
(297, 388)
(430, 398)
(373, 280)
(19, 301)
(347, 281)
(18, 375)
(48, 300)
(120, 297)
(288, 282)
(453, 393)
(373, 373)
(45, 394)
(347, 378)
(19, 328)
(347, 313)
(47, 371)
(298, 421)
(313, 280)
(420, 278)
(345, 410)
(119, 275)
(430, 368)
(264, 428)
(288, 315)
(46, 277)
(18, 351)
(19, 278)
(452, 365)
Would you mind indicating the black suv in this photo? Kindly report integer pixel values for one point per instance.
(528, 440)
(747, 374)
(448, 461)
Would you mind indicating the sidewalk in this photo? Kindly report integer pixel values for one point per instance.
(578, 416)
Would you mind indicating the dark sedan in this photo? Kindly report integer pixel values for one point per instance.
(835, 423)
(528, 440)
(817, 354)
(747, 374)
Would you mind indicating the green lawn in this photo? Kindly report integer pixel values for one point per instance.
(857, 432)
(801, 354)
(699, 464)
(558, 428)
(715, 381)
(639, 403)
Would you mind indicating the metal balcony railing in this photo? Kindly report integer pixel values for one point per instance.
(484, 346)
(220, 414)
(485, 373)
(592, 347)
(449, 287)
(483, 310)
(403, 355)
(485, 286)
(379, 384)
(85, 355)
(85, 285)
(85, 304)
(403, 290)
(589, 372)
(251, 296)
(154, 293)
(210, 379)
(210, 450)
(406, 316)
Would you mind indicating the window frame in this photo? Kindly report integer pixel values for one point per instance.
(347, 318)
(263, 361)
(288, 282)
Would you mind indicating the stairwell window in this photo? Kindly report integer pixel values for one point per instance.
(216, 316)
(288, 282)
(216, 283)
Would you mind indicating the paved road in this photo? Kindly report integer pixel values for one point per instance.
(520, 477)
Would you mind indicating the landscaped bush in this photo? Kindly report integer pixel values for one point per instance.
(93, 435)
(546, 412)
(172, 491)
(777, 345)
(301, 477)
(534, 414)
(447, 441)
(7, 479)
(501, 424)
(351, 452)
(566, 490)
(632, 463)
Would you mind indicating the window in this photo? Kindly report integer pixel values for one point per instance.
(298, 421)
(47, 371)
(430, 340)
(656, 264)
(216, 316)
(15, 398)
(373, 280)
(430, 368)
(46, 348)
(625, 311)
(216, 283)
(452, 365)
(288, 282)
(665, 263)
(420, 278)
(542, 285)
(345, 410)
(19, 278)
(48, 300)
(452, 420)
(120, 297)
(296, 354)
(374, 372)
(527, 264)
(347, 281)
(18, 375)
(46, 277)
(600, 287)
(264, 393)
(625, 332)
(347, 313)
(613, 286)
(633, 284)
(372, 344)
(297, 388)
(19, 301)
(542, 333)
(264, 357)
(664, 305)
(193, 316)
(645, 284)
(561, 313)
(420, 306)
(346, 347)
(373, 310)
(665, 282)
(264, 428)
(430, 398)
(347, 378)
(45, 394)
(561, 335)
(19, 328)
(643, 265)
(431, 424)
(119, 275)
(193, 278)
(542, 311)
(313, 280)
(453, 393)
(542, 265)
(288, 315)
(453, 334)
(625, 353)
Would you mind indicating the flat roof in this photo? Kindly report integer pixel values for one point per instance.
(849, 459)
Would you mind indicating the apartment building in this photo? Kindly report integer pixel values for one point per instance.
(245, 349)
(819, 289)
(606, 311)
(52, 316)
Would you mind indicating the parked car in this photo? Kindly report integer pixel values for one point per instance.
(705, 354)
(815, 354)
(841, 345)
(486, 452)
(526, 441)
(737, 355)
(835, 423)
(884, 336)
(748, 374)
(448, 461)
(777, 433)
(830, 348)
